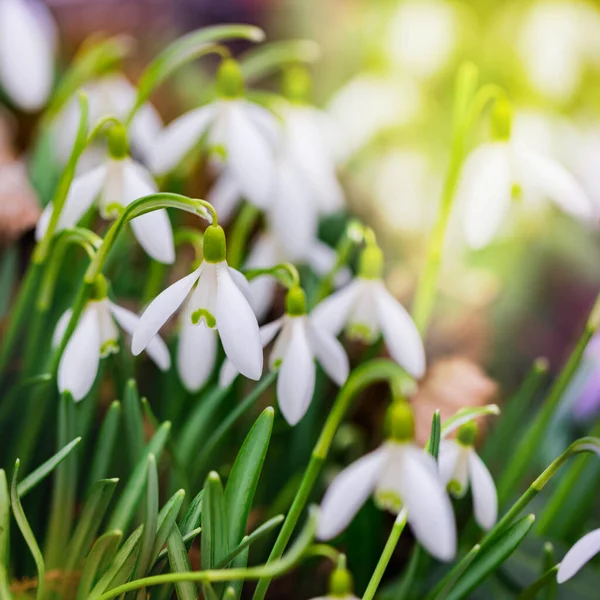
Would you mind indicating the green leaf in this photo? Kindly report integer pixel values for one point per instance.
(134, 423)
(191, 518)
(126, 506)
(188, 538)
(4, 536)
(121, 567)
(102, 551)
(214, 545)
(239, 562)
(35, 477)
(105, 444)
(178, 559)
(244, 476)
(166, 519)
(433, 444)
(490, 558)
(89, 522)
(26, 531)
(230, 593)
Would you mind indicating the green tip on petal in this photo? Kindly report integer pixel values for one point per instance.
(501, 119)
(230, 83)
(118, 147)
(341, 583)
(296, 84)
(370, 263)
(295, 302)
(214, 245)
(467, 434)
(400, 422)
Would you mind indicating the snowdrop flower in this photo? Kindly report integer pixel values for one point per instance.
(95, 337)
(216, 304)
(110, 95)
(581, 553)
(366, 308)
(496, 169)
(459, 465)
(27, 40)
(401, 476)
(116, 183)
(298, 344)
(241, 130)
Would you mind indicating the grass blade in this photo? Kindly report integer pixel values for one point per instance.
(166, 520)
(102, 551)
(178, 559)
(105, 444)
(134, 422)
(214, 544)
(4, 535)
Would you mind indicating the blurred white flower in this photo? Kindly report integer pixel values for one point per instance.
(110, 95)
(581, 553)
(217, 303)
(367, 105)
(95, 337)
(27, 40)
(423, 36)
(299, 342)
(557, 41)
(488, 180)
(116, 183)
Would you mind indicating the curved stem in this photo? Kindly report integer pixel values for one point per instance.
(194, 237)
(277, 271)
(365, 375)
(100, 125)
(327, 551)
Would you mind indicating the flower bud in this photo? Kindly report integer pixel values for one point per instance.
(296, 84)
(230, 83)
(467, 434)
(400, 422)
(340, 583)
(370, 263)
(118, 147)
(295, 302)
(214, 245)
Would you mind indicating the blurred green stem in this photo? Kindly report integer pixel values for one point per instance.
(240, 232)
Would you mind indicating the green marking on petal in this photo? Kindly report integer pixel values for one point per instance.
(516, 193)
(277, 364)
(388, 500)
(455, 488)
(361, 332)
(109, 347)
(219, 151)
(202, 313)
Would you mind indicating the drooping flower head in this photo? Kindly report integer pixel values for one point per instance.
(341, 583)
(367, 309)
(215, 303)
(299, 342)
(115, 184)
(96, 336)
(399, 475)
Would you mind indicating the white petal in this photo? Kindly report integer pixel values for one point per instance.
(448, 457)
(330, 354)
(269, 331)
(485, 188)
(281, 343)
(348, 492)
(265, 253)
(296, 379)
(82, 193)
(196, 353)
(485, 498)
(61, 327)
(227, 374)
(332, 313)
(145, 129)
(265, 121)
(178, 138)
(237, 326)
(79, 363)
(581, 553)
(249, 156)
(160, 309)
(157, 349)
(243, 284)
(401, 334)
(553, 181)
(429, 510)
(225, 196)
(26, 54)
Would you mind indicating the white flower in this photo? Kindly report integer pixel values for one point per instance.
(366, 309)
(217, 303)
(581, 553)
(110, 95)
(117, 183)
(27, 40)
(460, 465)
(96, 336)
(298, 344)
(488, 179)
(241, 129)
(400, 475)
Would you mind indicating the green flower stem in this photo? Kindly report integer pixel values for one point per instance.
(362, 377)
(386, 555)
(270, 570)
(327, 551)
(531, 592)
(285, 273)
(533, 437)
(237, 241)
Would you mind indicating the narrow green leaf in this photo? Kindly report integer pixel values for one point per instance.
(89, 522)
(121, 567)
(491, 557)
(192, 516)
(229, 593)
(134, 423)
(4, 536)
(214, 544)
(244, 476)
(105, 444)
(250, 539)
(178, 559)
(435, 436)
(26, 531)
(239, 562)
(103, 550)
(35, 477)
(208, 591)
(188, 538)
(547, 580)
(166, 519)
(125, 508)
